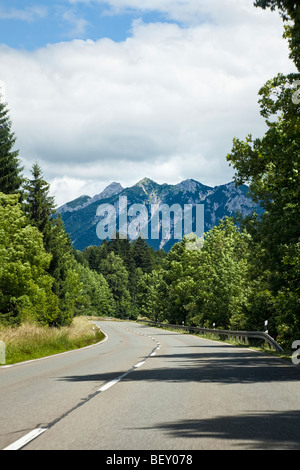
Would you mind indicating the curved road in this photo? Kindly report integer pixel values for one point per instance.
(150, 389)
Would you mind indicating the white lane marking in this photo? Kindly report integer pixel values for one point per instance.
(109, 384)
(26, 439)
(139, 364)
(115, 381)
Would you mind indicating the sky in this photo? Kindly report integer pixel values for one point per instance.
(103, 91)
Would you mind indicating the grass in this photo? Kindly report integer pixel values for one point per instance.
(32, 341)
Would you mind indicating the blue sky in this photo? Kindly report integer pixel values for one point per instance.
(47, 22)
(31, 25)
(119, 90)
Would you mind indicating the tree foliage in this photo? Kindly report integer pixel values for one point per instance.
(271, 166)
(10, 169)
(25, 286)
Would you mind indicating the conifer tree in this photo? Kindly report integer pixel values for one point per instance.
(39, 206)
(62, 268)
(10, 170)
(142, 255)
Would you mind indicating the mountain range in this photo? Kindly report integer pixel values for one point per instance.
(81, 216)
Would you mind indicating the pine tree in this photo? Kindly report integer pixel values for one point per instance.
(10, 170)
(39, 206)
(62, 268)
(40, 209)
(142, 255)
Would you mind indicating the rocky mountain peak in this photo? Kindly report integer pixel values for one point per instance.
(111, 190)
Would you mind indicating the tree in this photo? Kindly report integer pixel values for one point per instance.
(222, 279)
(177, 285)
(93, 255)
(116, 275)
(148, 296)
(40, 209)
(95, 296)
(25, 285)
(271, 166)
(39, 206)
(142, 255)
(10, 170)
(63, 270)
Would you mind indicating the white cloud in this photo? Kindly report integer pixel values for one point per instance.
(166, 103)
(28, 14)
(79, 25)
(222, 12)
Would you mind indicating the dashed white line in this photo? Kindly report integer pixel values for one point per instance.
(109, 384)
(139, 364)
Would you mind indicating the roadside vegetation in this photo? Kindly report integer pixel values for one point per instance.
(32, 341)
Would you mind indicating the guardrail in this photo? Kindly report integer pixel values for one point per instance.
(236, 334)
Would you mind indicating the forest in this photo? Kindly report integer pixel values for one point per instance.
(243, 274)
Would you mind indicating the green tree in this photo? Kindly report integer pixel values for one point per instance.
(271, 166)
(115, 273)
(40, 209)
(38, 205)
(148, 297)
(94, 254)
(177, 287)
(63, 270)
(222, 276)
(95, 296)
(25, 286)
(10, 169)
(142, 255)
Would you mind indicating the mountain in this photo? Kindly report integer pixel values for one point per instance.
(83, 201)
(85, 217)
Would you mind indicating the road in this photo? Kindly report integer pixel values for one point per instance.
(150, 389)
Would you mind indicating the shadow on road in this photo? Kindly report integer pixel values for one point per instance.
(264, 430)
(214, 367)
(253, 430)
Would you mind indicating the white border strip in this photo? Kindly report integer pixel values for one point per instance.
(26, 439)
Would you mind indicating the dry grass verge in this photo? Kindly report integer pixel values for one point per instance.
(32, 341)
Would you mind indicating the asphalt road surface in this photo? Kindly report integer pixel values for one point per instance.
(149, 389)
